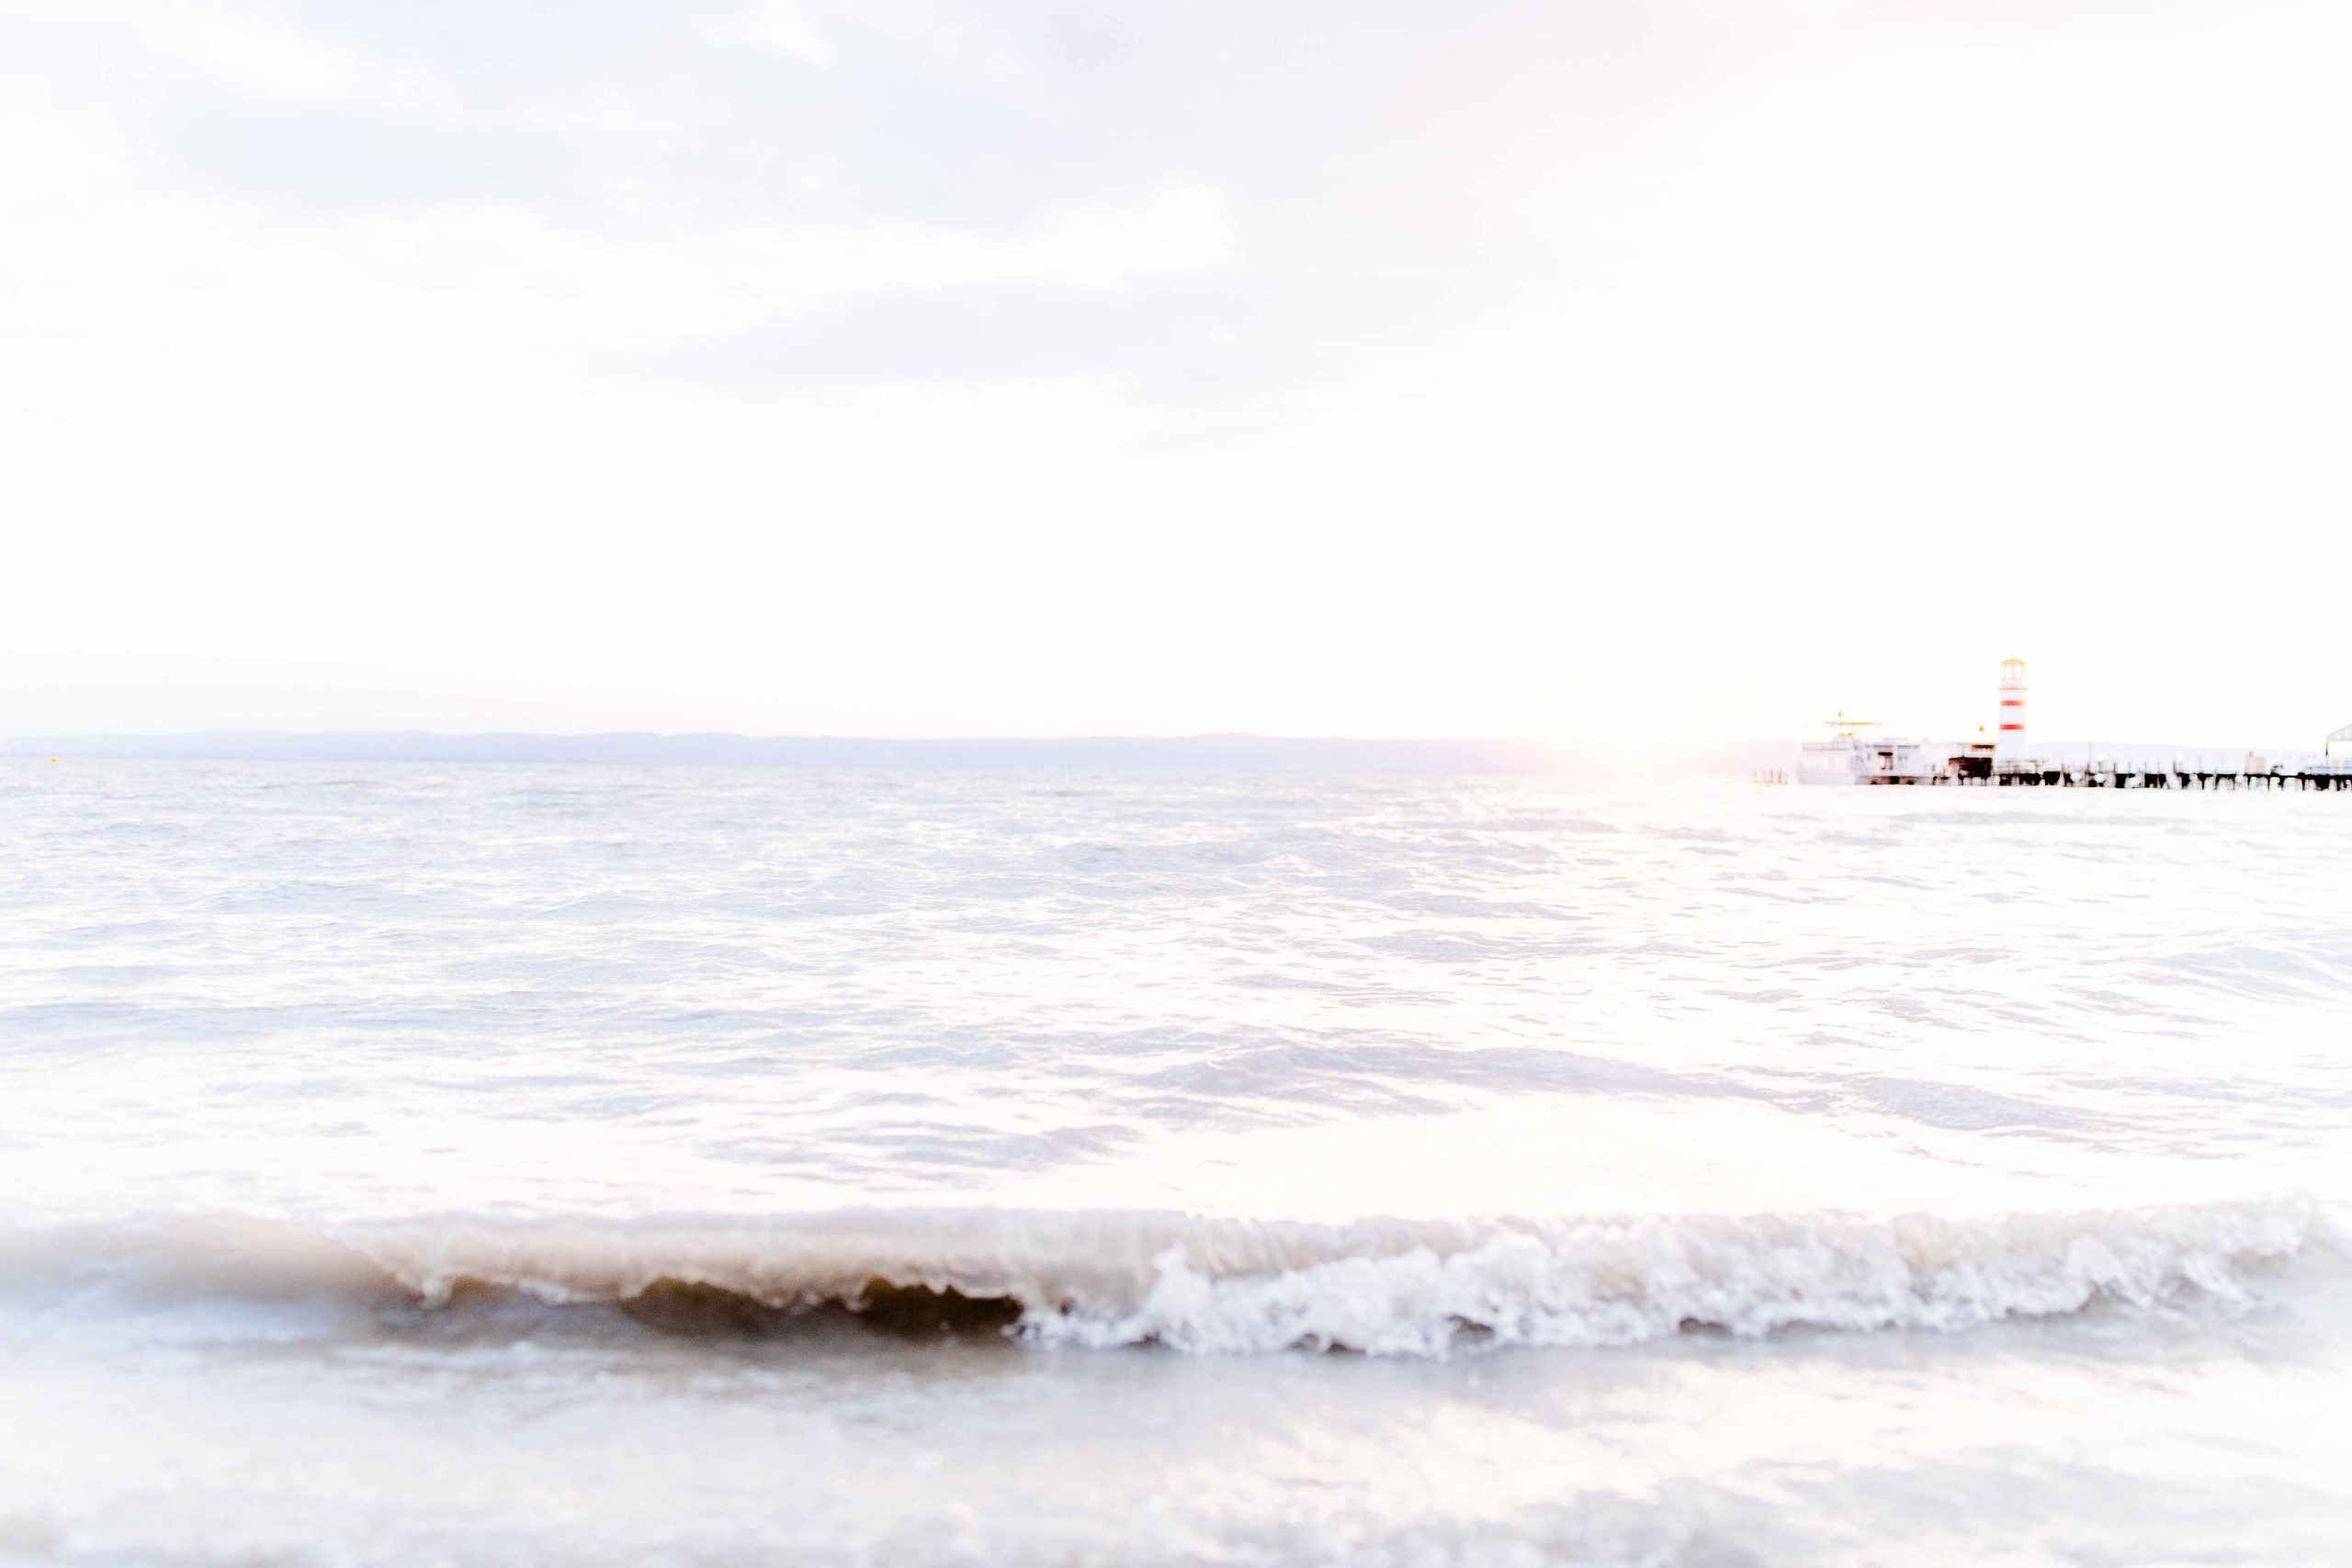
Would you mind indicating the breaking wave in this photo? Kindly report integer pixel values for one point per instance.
(1104, 1280)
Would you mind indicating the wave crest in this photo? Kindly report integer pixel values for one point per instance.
(1624, 1282)
(1386, 1287)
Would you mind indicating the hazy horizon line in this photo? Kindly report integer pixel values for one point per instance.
(1237, 750)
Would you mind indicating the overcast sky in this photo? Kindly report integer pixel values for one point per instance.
(1589, 369)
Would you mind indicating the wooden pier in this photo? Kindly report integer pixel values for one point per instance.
(1856, 755)
(2335, 773)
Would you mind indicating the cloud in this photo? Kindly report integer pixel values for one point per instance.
(1423, 355)
(740, 170)
(365, 158)
(158, 48)
(1171, 338)
(779, 25)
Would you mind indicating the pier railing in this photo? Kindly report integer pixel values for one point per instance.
(2327, 773)
(2318, 773)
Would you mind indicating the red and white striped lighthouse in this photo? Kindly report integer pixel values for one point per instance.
(2012, 703)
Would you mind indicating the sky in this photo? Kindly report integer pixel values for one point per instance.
(1597, 369)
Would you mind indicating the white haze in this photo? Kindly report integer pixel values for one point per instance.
(1614, 370)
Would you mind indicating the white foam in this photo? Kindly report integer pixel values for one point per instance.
(1616, 1283)
(1225, 1286)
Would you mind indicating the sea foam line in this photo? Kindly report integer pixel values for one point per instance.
(1118, 1278)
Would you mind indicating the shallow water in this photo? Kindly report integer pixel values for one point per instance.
(490, 1163)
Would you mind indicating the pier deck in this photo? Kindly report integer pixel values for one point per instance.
(2335, 774)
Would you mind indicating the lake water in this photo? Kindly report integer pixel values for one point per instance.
(692, 1165)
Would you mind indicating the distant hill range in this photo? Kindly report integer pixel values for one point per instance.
(1195, 753)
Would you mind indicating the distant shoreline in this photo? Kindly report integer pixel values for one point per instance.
(1187, 753)
(1200, 752)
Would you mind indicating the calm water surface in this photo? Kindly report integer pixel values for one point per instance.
(494, 1165)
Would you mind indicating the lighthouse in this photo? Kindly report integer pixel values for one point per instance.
(2012, 737)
